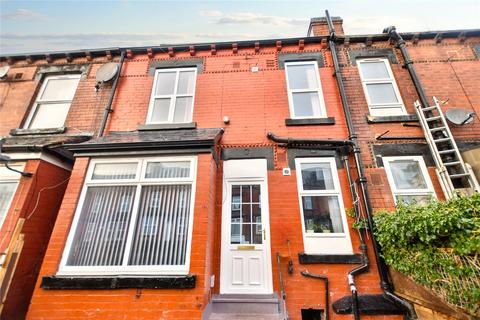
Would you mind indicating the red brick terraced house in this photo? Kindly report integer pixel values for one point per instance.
(224, 180)
(46, 101)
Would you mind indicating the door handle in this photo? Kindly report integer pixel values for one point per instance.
(264, 235)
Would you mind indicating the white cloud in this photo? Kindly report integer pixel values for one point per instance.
(23, 14)
(257, 18)
(210, 13)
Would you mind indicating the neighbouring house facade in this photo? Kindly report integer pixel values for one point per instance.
(210, 181)
(43, 106)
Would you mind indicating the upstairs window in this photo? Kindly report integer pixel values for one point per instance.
(172, 96)
(135, 217)
(380, 88)
(53, 102)
(408, 178)
(304, 90)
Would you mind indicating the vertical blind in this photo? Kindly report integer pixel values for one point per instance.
(133, 223)
(160, 236)
(101, 233)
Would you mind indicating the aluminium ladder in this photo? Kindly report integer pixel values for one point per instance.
(454, 174)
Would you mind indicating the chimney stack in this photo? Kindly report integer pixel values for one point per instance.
(319, 26)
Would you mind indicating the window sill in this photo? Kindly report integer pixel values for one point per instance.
(25, 132)
(117, 282)
(310, 122)
(167, 126)
(305, 258)
(387, 119)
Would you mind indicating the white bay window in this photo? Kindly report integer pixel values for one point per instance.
(134, 217)
(325, 228)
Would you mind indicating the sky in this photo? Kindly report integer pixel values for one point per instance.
(40, 26)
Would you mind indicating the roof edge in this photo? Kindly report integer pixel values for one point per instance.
(115, 51)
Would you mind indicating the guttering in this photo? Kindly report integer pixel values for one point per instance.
(395, 36)
(101, 52)
(108, 107)
(303, 141)
(381, 266)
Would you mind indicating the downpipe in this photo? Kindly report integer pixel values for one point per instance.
(381, 266)
(108, 107)
(365, 266)
(327, 292)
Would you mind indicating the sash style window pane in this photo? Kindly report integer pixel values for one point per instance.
(407, 174)
(302, 77)
(374, 70)
(317, 176)
(161, 109)
(382, 93)
(60, 89)
(322, 214)
(166, 83)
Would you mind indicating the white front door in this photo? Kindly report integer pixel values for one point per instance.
(245, 257)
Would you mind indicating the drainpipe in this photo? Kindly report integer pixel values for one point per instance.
(108, 107)
(381, 266)
(394, 35)
(327, 294)
(363, 247)
(296, 141)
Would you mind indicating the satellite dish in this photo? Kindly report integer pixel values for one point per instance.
(106, 72)
(4, 71)
(459, 116)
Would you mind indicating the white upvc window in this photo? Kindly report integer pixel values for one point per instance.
(53, 102)
(324, 223)
(409, 179)
(134, 216)
(380, 88)
(305, 95)
(172, 96)
(8, 186)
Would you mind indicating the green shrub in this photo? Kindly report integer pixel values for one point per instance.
(437, 245)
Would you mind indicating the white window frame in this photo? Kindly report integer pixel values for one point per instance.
(39, 100)
(429, 191)
(10, 176)
(317, 113)
(173, 97)
(138, 181)
(389, 80)
(324, 243)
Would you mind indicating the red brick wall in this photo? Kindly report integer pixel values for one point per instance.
(447, 70)
(15, 98)
(128, 303)
(40, 217)
(18, 95)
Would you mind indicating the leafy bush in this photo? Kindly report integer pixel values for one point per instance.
(437, 245)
